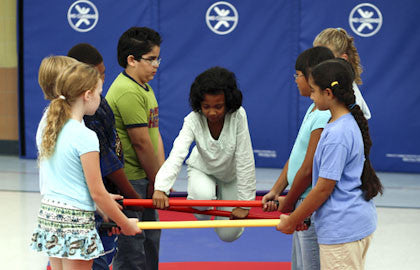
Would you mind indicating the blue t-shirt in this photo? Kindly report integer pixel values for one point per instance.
(313, 120)
(345, 216)
(110, 155)
(62, 173)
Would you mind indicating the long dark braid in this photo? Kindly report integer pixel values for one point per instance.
(324, 75)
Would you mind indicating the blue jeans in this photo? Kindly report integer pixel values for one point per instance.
(110, 247)
(305, 248)
(139, 252)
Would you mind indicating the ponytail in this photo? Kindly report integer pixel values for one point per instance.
(59, 112)
(371, 185)
(340, 42)
(70, 84)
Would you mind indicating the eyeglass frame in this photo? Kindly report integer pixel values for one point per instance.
(297, 75)
(153, 62)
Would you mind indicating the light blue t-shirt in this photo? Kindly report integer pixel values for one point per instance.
(62, 174)
(313, 120)
(345, 216)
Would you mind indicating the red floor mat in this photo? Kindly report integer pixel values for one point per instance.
(224, 265)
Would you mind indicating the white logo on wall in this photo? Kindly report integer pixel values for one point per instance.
(82, 16)
(405, 157)
(222, 18)
(265, 153)
(365, 20)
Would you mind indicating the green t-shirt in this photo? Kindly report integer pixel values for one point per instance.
(133, 106)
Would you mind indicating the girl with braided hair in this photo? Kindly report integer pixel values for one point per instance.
(343, 179)
(73, 187)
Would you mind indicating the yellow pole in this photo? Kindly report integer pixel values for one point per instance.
(150, 225)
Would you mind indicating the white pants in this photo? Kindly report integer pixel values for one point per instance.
(203, 187)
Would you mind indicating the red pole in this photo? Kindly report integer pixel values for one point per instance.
(216, 203)
(212, 212)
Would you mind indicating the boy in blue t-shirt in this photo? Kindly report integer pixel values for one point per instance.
(110, 154)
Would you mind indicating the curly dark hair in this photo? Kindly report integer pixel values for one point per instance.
(340, 71)
(136, 41)
(214, 81)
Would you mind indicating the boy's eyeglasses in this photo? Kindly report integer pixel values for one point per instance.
(297, 75)
(153, 62)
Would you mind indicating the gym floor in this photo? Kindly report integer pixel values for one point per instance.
(395, 243)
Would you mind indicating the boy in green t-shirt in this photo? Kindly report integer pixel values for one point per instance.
(137, 122)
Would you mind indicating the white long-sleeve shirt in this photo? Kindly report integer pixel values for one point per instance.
(227, 158)
(361, 102)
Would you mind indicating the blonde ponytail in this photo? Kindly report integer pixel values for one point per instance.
(340, 42)
(70, 85)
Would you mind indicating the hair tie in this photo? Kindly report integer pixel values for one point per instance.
(351, 106)
(62, 97)
(334, 83)
(339, 28)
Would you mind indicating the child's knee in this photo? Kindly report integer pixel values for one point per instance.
(229, 234)
(201, 194)
(202, 217)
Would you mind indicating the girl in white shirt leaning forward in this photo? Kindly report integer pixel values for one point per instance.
(222, 156)
(69, 159)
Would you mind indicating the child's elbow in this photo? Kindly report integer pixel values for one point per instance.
(307, 172)
(95, 196)
(98, 194)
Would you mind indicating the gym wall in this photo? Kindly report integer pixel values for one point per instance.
(259, 41)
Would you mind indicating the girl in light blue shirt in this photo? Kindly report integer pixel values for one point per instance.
(297, 172)
(69, 160)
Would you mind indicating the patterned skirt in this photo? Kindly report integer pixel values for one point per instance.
(66, 232)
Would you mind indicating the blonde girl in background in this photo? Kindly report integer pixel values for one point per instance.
(69, 158)
(342, 45)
